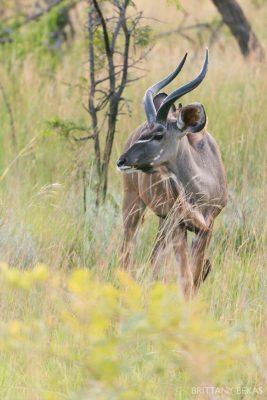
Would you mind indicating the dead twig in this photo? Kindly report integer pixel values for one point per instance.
(11, 117)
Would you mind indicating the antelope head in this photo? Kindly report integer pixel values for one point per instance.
(165, 125)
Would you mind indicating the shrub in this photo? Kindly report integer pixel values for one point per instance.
(74, 336)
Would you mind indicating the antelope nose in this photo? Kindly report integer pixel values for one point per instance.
(121, 162)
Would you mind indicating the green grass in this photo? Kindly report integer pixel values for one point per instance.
(42, 220)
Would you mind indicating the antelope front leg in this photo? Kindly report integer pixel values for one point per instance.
(180, 246)
(199, 247)
(159, 246)
(133, 210)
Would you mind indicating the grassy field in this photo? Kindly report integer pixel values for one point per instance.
(99, 334)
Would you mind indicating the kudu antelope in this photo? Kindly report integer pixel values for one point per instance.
(180, 177)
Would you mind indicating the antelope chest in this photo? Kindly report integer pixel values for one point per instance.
(155, 191)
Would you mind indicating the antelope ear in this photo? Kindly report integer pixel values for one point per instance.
(158, 99)
(191, 118)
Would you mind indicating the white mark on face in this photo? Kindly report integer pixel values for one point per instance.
(144, 141)
(126, 169)
(156, 158)
(161, 151)
(151, 163)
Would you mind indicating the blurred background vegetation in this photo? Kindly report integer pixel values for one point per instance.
(48, 187)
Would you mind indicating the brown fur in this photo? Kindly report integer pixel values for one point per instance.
(198, 197)
(180, 178)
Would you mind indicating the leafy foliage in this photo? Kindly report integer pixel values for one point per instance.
(175, 3)
(45, 35)
(143, 36)
(65, 127)
(127, 342)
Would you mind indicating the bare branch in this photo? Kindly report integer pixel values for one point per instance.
(127, 37)
(109, 54)
(116, 31)
(104, 27)
(83, 138)
(182, 29)
(215, 33)
(91, 106)
(11, 117)
(112, 77)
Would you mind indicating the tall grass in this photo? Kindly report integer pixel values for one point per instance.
(43, 220)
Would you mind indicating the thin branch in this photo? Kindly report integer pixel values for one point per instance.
(102, 103)
(83, 138)
(11, 117)
(125, 57)
(104, 27)
(215, 33)
(116, 32)
(181, 29)
(91, 105)
(109, 54)
(188, 38)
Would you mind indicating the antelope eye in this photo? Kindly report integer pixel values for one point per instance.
(158, 136)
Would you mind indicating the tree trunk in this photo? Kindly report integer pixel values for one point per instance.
(234, 17)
